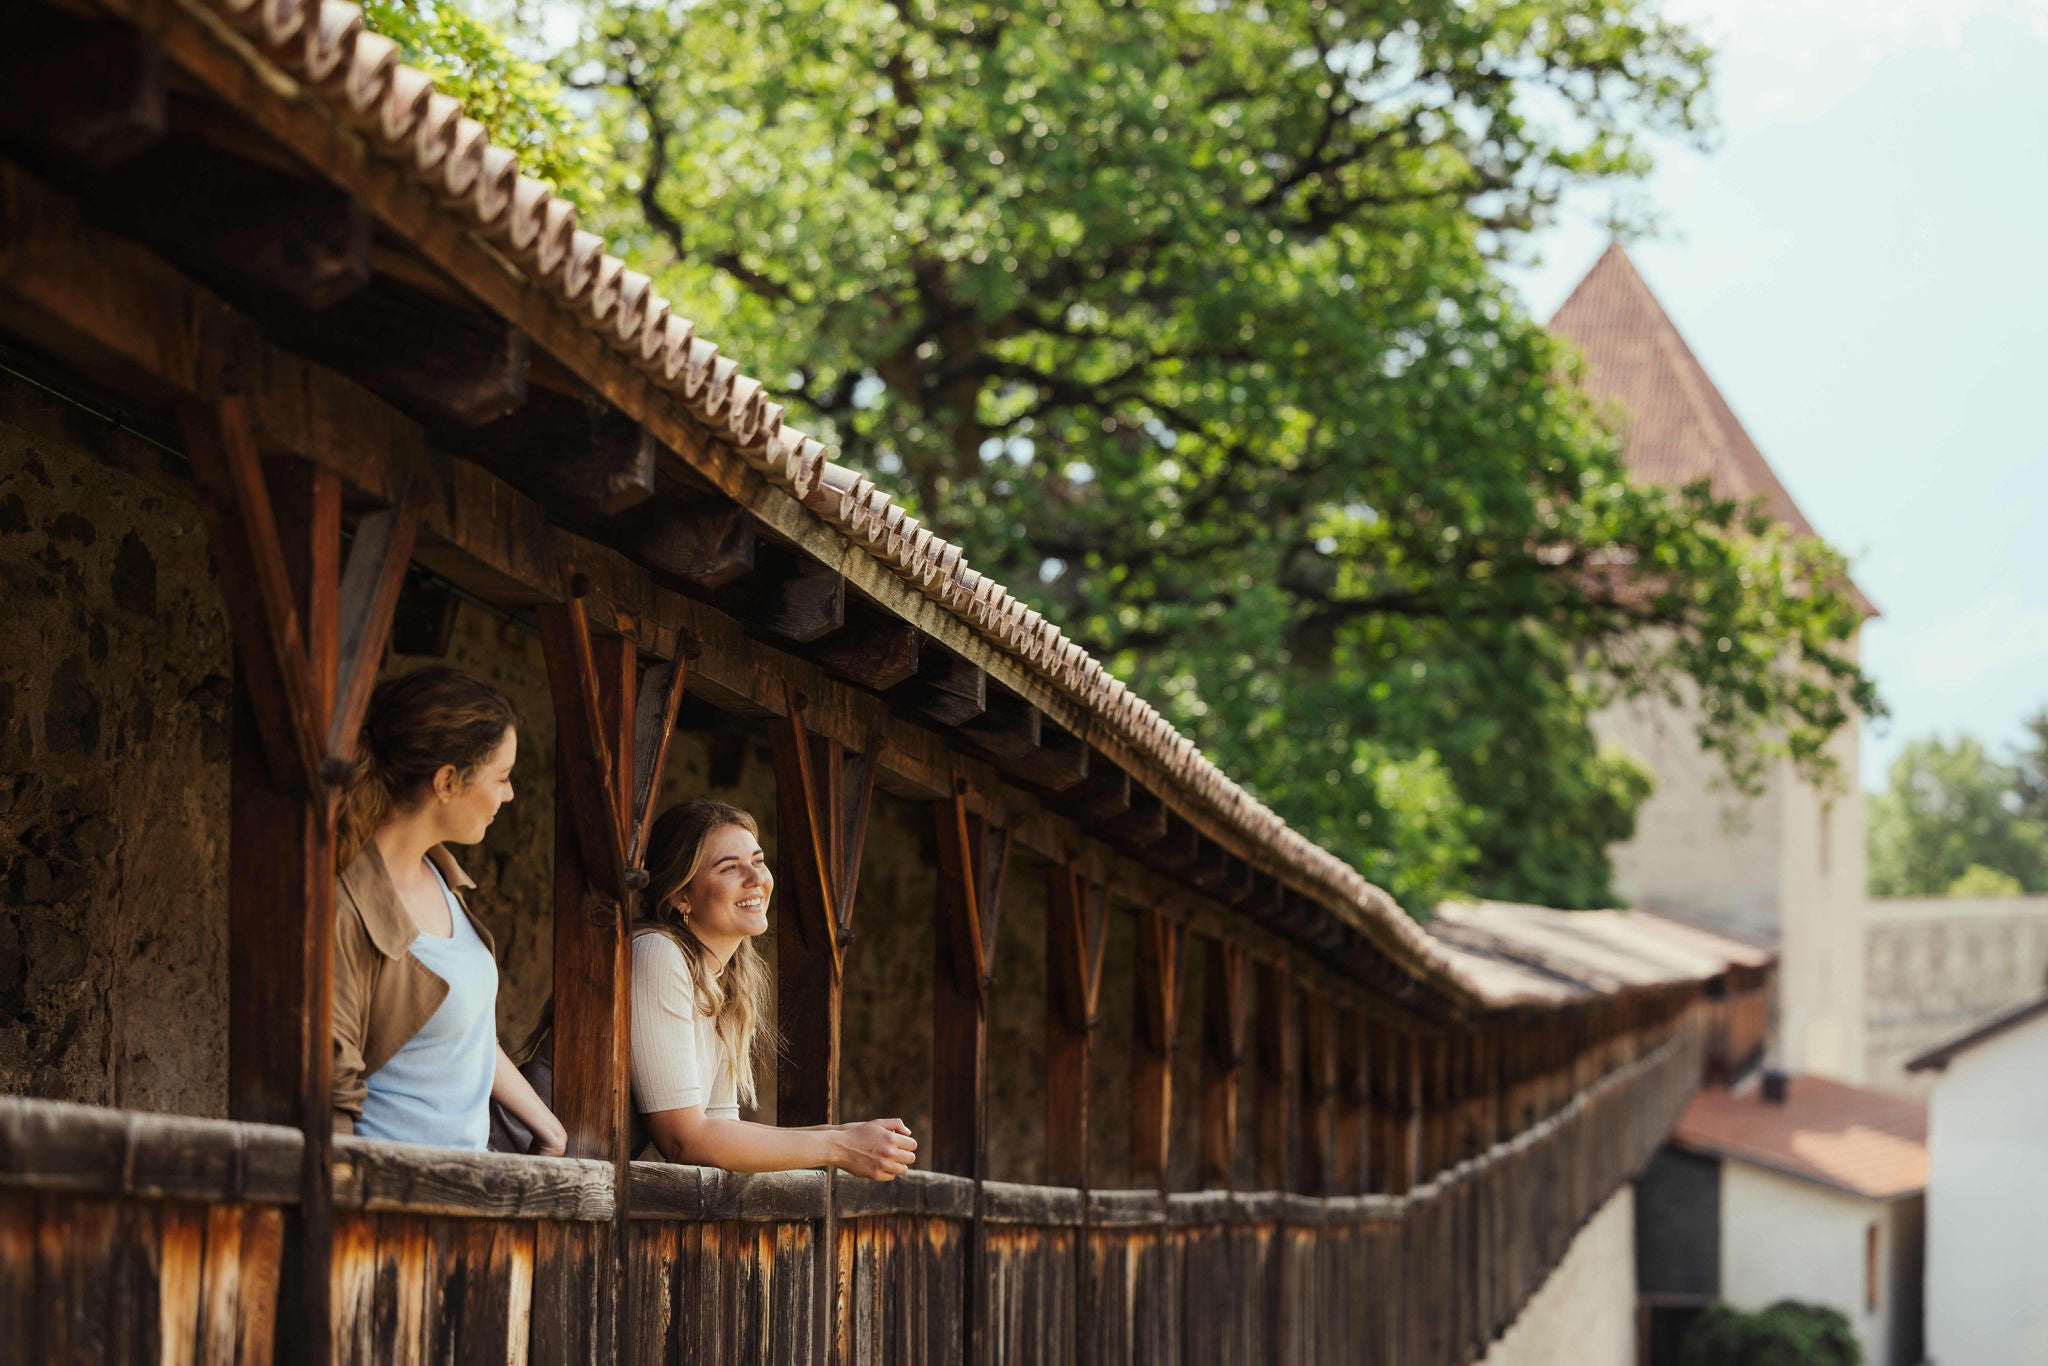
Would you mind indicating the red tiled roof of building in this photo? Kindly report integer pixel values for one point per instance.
(1680, 428)
(1844, 1136)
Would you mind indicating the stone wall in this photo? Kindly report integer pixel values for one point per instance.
(114, 692)
(1936, 964)
(1585, 1312)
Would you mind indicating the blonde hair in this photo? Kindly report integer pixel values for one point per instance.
(414, 726)
(741, 999)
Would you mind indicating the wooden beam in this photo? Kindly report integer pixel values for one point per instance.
(704, 544)
(589, 762)
(83, 89)
(1008, 727)
(660, 700)
(572, 449)
(1058, 765)
(1223, 1046)
(1162, 952)
(593, 682)
(1103, 796)
(1353, 1103)
(792, 597)
(973, 864)
(271, 635)
(1210, 867)
(822, 798)
(1176, 850)
(947, 689)
(1076, 932)
(1143, 824)
(1279, 1067)
(1319, 1175)
(377, 561)
(280, 243)
(280, 939)
(872, 650)
(432, 358)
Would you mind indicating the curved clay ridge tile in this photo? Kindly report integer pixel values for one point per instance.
(397, 109)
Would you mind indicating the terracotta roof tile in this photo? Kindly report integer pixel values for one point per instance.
(1680, 429)
(1843, 1136)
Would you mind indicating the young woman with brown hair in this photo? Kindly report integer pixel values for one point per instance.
(702, 1009)
(416, 1054)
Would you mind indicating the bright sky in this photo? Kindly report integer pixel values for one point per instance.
(1861, 262)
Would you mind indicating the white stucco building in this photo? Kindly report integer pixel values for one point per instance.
(1783, 869)
(1987, 1196)
(1814, 1196)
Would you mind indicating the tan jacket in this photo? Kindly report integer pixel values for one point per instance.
(382, 993)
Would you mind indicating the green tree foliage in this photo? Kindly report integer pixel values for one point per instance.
(2030, 769)
(1786, 1334)
(1183, 317)
(519, 100)
(1946, 808)
(1979, 881)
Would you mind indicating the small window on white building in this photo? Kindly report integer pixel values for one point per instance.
(1870, 1267)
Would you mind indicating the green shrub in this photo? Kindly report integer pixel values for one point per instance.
(1786, 1334)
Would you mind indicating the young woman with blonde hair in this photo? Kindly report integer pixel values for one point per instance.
(702, 1009)
(416, 1053)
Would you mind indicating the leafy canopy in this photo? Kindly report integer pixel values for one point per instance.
(1954, 821)
(1183, 318)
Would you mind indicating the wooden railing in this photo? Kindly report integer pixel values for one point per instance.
(153, 1238)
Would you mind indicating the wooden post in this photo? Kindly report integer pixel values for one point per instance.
(308, 638)
(823, 794)
(973, 858)
(281, 912)
(1278, 1065)
(1353, 1099)
(1075, 934)
(1222, 1061)
(613, 722)
(973, 861)
(1319, 1087)
(1162, 951)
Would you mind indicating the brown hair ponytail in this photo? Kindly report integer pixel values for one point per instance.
(415, 726)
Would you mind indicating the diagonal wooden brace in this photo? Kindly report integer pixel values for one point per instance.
(586, 755)
(242, 528)
(370, 583)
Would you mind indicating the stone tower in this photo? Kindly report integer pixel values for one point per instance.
(1785, 868)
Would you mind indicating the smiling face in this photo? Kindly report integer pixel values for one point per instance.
(727, 900)
(463, 807)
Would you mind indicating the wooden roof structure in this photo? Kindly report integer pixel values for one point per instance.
(375, 227)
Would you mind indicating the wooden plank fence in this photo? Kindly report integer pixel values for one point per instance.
(138, 1238)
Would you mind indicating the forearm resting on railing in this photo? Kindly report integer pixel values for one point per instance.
(879, 1149)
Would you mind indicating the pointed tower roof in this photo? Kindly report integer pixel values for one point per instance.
(1680, 428)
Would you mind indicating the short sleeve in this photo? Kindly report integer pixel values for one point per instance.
(667, 1073)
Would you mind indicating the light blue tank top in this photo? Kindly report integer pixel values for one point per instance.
(437, 1088)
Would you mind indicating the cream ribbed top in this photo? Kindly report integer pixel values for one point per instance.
(678, 1059)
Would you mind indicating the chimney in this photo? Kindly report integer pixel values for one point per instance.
(1775, 1085)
